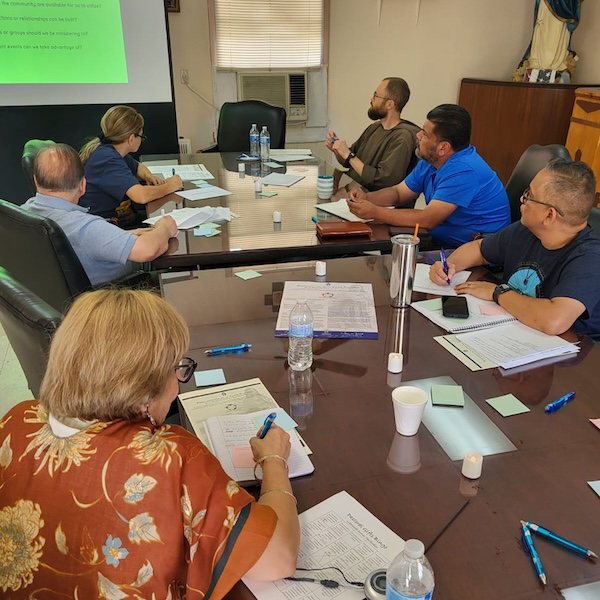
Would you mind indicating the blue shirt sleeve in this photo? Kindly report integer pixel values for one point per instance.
(118, 175)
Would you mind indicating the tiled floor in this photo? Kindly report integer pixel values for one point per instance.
(13, 385)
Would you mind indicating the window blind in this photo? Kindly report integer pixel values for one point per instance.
(268, 34)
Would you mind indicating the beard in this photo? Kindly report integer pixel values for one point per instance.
(428, 157)
(376, 113)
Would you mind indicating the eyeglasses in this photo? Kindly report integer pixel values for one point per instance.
(141, 136)
(376, 95)
(185, 369)
(527, 196)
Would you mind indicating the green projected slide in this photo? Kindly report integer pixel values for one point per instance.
(53, 41)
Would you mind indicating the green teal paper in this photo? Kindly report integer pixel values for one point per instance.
(447, 395)
(507, 405)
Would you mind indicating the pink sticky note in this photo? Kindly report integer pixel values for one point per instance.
(242, 457)
(489, 309)
(596, 422)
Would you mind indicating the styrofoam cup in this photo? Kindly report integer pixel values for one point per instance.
(409, 403)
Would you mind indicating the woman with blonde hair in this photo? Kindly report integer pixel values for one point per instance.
(113, 176)
(99, 499)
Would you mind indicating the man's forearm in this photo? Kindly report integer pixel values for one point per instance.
(385, 197)
(467, 256)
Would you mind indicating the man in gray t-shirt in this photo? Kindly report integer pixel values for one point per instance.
(106, 252)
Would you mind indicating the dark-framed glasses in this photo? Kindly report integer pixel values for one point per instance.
(527, 196)
(141, 136)
(185, 369)
(376, 95)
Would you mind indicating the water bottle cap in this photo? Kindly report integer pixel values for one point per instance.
(414, 548)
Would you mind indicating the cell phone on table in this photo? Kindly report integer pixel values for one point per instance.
(455, 307)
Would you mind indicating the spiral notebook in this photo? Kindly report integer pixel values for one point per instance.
(482, 314)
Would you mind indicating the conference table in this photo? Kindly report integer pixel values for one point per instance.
(252, 237)
(410, 483)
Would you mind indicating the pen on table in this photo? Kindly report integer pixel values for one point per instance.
(445, 263)
(228, 349)
(529, 546)
(554, 406)
(580, 550)
(415, 233)
(173, 171)
(314, 219)
(267, 425)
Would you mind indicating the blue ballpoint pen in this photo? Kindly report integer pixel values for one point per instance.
(173, 171)
(267, 425)
(314, 219)
(529, 546)
(444, 263)
(579, 550)
(554, 406)
(228, 349)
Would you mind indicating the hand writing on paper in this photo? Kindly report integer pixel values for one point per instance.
(438, 275)
(276, 442)
(480, 289)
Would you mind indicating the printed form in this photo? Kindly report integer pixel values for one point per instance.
(337, 532)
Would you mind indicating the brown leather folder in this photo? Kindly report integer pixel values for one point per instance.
(338, 228)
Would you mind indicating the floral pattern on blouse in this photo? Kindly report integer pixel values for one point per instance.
(117, 510)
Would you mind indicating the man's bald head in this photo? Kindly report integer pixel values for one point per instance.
(58, 168)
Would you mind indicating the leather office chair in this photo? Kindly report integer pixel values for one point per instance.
(29, 323)
(236, 119)
(30, 150)
(594, 220)
(532, 161)
(36, 252)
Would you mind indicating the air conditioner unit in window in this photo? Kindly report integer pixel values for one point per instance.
(287, 90)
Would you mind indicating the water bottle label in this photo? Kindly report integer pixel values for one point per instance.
(392, 594)
(301, 330)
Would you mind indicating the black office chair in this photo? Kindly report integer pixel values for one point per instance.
(594, 220)
(29, 323)
(30, 150)
(532, 161)
(36, 252)
(236, 119)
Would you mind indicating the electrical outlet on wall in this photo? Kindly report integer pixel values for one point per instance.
(184, 76)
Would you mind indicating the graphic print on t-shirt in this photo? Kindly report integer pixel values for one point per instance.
(527, 280)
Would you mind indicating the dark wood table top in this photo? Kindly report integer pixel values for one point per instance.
(254, 238)
(348, 422)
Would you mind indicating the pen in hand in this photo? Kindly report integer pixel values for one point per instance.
(173, 171)
(267, 425)
(444, 263)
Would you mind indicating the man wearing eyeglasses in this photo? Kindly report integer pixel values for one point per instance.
(551, 257)
(106, 252)
(463, 196)
(384, 153)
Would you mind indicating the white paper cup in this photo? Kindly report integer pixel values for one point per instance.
(409, 403)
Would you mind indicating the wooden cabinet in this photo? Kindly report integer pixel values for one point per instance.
(583, 141)
(510, 116)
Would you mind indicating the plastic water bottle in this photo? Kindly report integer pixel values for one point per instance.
(254, 141)
(265, 144)
(300, 354)
(410, 576)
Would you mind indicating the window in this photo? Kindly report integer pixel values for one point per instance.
(268, 34)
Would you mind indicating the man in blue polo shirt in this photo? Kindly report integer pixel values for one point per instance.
(464, 196)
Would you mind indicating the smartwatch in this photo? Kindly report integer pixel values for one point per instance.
(499, 290)
(350, 157)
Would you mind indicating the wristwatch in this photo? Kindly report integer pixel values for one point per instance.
(350, 157)
(499, 290)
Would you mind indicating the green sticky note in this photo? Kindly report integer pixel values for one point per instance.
(249, 274)
(433, 304)
(507, 405)
(447, 395)
(268, 194)
(595, 485)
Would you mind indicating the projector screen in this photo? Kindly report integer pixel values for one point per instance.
(55, 52)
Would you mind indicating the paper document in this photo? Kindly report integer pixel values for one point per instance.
(238, 398)
(340, 310)
(277, 152)
(340, 209)
(506, 346)
(186, 172)
(228, 432)
(188, 218)
(281, 179)
(479, 317)
(203, 193)
(337, 532)
(422, 283)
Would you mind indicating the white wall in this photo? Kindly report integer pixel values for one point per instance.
(451, 39)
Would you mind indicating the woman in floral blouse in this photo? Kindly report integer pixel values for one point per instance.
(99, 500)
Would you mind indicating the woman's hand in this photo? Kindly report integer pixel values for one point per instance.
(276, 442)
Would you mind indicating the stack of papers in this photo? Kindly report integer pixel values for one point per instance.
(340, 209)
(281, 179)
(188, 218)
(290, 154)
(186, 172)
(423, 284)
(204, 192)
